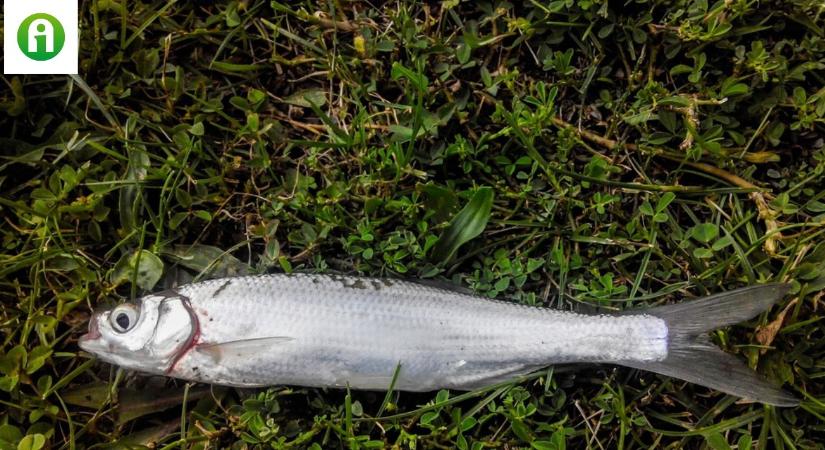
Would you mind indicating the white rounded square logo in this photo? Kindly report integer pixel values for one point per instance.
(40, 36)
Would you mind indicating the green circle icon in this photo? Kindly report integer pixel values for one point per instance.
(41, 37)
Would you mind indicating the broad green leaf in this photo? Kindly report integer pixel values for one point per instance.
(144, 266)
(702, 253)
(810, 271)
(799, 96)
(716, 441)
(256, 98)
(252, 122)
(90, 396)
(663, 202)
(463, 53)
(545, 445)
(722, 242)
(8, 382)
(232, 17)
(815, 207)
(675, 100)
(197, 129)
(37, 357)
(134, 403)
(307, 98)
(144, 438)
(521, 431)
(207, 259)
(734, 89)
(440, 201)
(13, 359)
(745, 442)
(442, 396)
(704, 232)
(417, 79)
(136, 172)
(9, 434)
(32, 442)
(18, 106)
(468, 423)
(466, 225)
(402, 133)
(646, 209)
(680, 69)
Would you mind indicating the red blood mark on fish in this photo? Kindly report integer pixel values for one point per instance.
(193, 341)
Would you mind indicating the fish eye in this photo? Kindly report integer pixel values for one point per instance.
(123, 318)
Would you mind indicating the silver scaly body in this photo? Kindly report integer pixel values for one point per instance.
(319, 330)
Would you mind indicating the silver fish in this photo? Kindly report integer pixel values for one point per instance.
(337, 331)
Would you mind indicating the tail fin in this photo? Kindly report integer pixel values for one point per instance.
(691, 356)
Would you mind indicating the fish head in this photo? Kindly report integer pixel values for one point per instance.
(148, 336)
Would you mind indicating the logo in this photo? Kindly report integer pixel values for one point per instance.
(41, 37)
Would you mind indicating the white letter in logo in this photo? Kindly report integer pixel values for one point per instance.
(41, 27)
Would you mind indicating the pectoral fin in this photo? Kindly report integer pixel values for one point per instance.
(241, 348)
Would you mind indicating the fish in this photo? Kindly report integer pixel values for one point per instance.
(336, 331)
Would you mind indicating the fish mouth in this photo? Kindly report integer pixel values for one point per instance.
(89, 341)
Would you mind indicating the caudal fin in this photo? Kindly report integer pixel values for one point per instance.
(691, 356)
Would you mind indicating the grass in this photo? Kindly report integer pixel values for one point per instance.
(572, 154)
